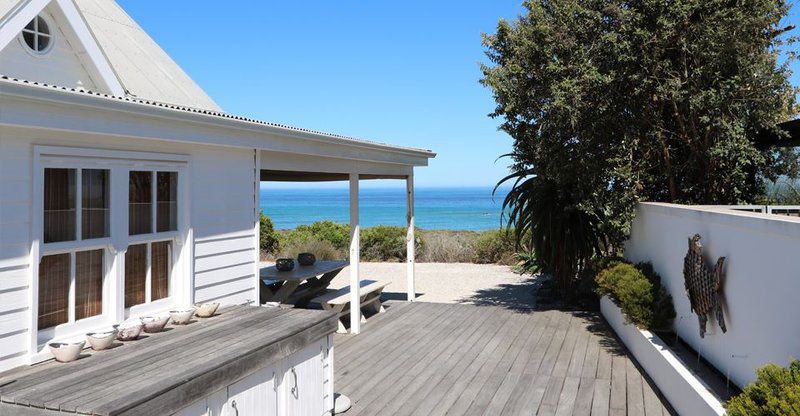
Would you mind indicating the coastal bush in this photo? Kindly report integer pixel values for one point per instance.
(638, 292)
(328, 239)
(776, 392)
(268, 238)
(338, 235)
(496, 247)
(385, 243)
(442, 246)
(322, 249)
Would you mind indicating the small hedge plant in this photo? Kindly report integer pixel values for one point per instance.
(638, 292)
(776, 392)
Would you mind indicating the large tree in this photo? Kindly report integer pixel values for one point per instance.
(614, 101)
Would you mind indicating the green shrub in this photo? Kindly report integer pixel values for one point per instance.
(638, 293)
(442, 246)
(776, 392)
(662, 307)
(322, 249)
(268, 238)
(384, 243)
(338, 235)
(495, 246)
(586, 287)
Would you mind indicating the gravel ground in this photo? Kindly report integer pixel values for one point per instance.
(485, 284)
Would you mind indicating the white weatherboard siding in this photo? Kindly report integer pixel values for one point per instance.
(760, 288)
(222, 204)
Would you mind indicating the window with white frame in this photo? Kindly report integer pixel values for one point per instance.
(152, 212)
(36, 35)
(76, 222)
(108, 231)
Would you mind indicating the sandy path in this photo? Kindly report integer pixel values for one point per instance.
(451, 283)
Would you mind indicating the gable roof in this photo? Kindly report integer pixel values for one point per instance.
(142, 68)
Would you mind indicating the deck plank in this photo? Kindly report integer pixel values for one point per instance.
(447, 390)
(635, 394)
(418, 380)
(450, 359)
(450, 332)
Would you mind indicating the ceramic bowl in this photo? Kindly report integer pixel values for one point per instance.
(284, 265)
(204, 310)
(101, 340)
(181, 316)
(153, 324)
(129, 330)
(66, 351)
(306, 259)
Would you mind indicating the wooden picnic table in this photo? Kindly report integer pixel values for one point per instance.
(300, 284)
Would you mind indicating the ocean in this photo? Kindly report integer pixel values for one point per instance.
(436, 208)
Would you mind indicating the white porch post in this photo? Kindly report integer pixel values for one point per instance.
(355, 258)
(410, 240)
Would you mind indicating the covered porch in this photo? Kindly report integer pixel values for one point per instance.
(285, 167)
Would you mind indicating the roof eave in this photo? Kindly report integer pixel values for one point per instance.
(37, 91)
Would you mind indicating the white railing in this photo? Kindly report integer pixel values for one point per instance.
(790, 210)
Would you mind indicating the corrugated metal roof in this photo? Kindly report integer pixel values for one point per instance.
(210, 113)
(143, 68)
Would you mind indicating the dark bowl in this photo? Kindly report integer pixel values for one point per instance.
(306, 259)
(284, 265)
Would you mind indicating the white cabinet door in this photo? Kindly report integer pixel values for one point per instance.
(208, 406)
(254, 395)
(304, 381)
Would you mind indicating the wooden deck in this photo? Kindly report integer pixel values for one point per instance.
(436, 359)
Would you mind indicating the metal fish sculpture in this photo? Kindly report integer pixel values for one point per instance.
(703, 285)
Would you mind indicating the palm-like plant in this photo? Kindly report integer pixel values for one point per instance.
(545, 216)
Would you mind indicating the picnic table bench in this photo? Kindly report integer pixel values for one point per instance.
(339, 300)
(300, 284)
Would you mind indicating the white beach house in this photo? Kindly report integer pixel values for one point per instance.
(124, 188)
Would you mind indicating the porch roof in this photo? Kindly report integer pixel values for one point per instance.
(268, 175)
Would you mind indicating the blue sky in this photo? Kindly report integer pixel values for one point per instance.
(404, 72)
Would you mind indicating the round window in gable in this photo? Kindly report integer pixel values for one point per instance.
(36, 35)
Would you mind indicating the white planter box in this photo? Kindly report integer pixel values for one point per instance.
(687, 394)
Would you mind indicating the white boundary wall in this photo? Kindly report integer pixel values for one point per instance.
(761, 290)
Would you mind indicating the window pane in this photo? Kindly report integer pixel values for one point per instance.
(44, 42)
(59, 205)
(94, 204)
(140, 209)
(42, 25)
(161, 264)
(167, 187)
(135, 274)
(30, 39)
(88, 283)
(54, 276)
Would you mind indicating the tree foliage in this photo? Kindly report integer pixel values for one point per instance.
(614, 101)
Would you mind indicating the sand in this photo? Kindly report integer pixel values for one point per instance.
(451, 283)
